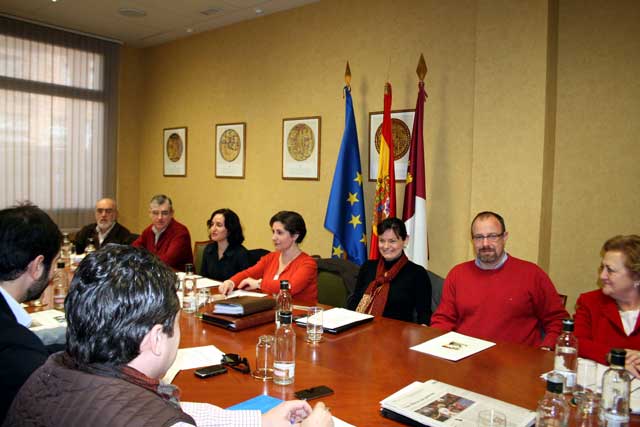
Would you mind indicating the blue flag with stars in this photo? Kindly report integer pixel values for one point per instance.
(345, 210)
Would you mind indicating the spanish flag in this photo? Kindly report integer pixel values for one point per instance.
(385, 198)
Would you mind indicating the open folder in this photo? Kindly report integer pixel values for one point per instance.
(337, 320)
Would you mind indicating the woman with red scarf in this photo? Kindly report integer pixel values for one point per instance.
(393, 286)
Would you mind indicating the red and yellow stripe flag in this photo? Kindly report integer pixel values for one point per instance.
(385, 199)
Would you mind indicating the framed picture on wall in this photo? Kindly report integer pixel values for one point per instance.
(174, 151)
(301, 148)
(401, 126)
(230, 150)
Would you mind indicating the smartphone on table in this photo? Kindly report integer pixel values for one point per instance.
(210, 371)
(313, 392)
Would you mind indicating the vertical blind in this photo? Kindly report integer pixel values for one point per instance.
(58, 120)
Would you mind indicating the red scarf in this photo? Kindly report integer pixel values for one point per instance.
(375, 297)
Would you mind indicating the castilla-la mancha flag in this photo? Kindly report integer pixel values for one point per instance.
(414, 212)
(384, 203)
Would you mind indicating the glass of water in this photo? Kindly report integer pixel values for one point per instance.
(314, 324)
(491, 418)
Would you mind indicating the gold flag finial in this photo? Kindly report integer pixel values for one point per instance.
(422, 68)
(347, 75)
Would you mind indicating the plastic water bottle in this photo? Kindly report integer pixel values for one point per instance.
(60, 286)
(284, 302)
(284, 360)
(553, 409)
(614, 405)
(566, 359)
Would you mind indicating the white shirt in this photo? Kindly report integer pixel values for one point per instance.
(629, 319)
(16, 308)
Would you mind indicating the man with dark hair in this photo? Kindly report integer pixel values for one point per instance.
(497, 296)
(165, 237)
(123, 332)
(29, 245)
(105, 230)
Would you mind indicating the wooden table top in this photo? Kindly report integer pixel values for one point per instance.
(363, 366)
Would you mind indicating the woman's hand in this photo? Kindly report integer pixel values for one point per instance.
(632, 362)
(250, 284)
(287, 414)
(226, 287)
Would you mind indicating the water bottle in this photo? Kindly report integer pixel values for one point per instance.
(284, 360)
(90, 246)
(614, 405)
(284, 302)
(65, 249)
(60, 286)
(566, 359)
(553, 409)
(189, 290)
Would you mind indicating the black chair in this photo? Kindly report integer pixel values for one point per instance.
(336, 281)
(255, 255)
(436, 289)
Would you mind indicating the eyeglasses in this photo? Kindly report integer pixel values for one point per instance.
(100, 211)
(160, 213)
(235, 362)
(493, 237)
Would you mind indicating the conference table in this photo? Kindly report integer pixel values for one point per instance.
(363, 365)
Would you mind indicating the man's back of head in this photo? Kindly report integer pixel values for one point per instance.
(116, 296)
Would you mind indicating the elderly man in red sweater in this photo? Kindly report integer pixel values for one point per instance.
(498, 296)
(165, 237)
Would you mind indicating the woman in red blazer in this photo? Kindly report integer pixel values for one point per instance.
(608, 317)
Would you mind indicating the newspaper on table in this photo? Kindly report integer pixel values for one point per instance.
(437, 404)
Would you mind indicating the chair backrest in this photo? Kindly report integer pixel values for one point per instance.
(198, 251)
(563, 298)
(255, 255)
(436, 289)
(336, 281)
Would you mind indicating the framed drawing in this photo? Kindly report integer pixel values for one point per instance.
(230, 150)
(174, 149)
(301, 148)
(401, 126)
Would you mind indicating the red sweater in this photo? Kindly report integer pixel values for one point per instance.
(599, 327)
(174, 245)
(302, 274)
(515, 303)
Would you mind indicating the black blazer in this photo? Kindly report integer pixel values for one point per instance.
(21, 353)
(118, 234)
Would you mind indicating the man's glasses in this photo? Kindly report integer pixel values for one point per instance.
(160, 213)
(235, 362)
(100, 211)
(493, 237)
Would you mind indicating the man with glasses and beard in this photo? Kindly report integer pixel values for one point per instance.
(498, 296)
(29, 246)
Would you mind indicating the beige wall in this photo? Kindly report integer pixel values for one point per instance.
(489, 119)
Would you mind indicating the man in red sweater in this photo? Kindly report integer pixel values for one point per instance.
(497, 296)
(165, 237)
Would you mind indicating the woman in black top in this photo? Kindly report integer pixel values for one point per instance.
(393, 286)
(225, 256)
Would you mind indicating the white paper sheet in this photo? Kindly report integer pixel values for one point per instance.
(453, 346)
(194, 357)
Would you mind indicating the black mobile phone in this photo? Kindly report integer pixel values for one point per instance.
(313, 392)
(209, 371)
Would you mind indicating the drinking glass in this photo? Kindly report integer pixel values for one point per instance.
(264, 358)
(585, 395)
(491, 418)
(314, 324)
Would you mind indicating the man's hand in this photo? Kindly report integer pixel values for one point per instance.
(286, 414)
(320, 417)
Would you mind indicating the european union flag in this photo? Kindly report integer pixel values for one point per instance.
(345, 210)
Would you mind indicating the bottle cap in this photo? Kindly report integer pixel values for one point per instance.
(285, 317)
(60, 264)
(284, 284)
(555, 383)
(567, 325)
(617, 356)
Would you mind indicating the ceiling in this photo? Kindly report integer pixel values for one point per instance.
(165, 20)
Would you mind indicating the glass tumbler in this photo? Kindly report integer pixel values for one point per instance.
(264, 358)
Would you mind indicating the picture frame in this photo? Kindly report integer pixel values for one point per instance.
(230, 150)
(174, 151)
(401, 128)
(301, 148)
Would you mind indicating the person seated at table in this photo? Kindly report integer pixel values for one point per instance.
(497, 296)
(29, 246)
(105, 230)
(165, 237)
(123, 335)
(225, 256)
(288, 262)
(608, 317)
(393, 286)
